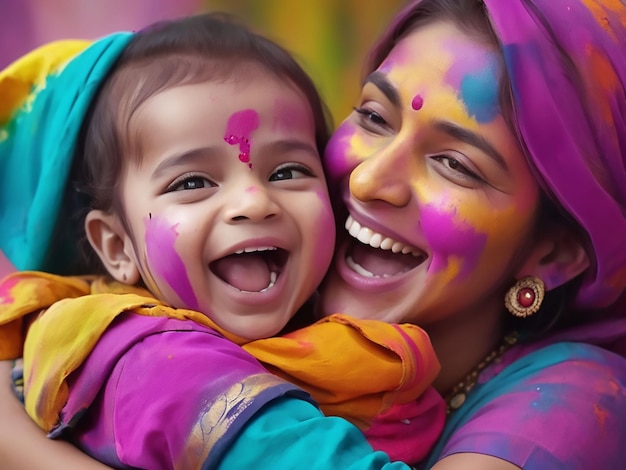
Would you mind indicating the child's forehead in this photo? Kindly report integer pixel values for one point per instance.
(135, 85)
(208, 113)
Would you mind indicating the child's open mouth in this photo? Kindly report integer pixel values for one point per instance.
(254, 269)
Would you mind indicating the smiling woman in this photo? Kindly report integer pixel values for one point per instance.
(482, 175)
(461, 187)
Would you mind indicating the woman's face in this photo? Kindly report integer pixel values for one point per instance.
(441, 201)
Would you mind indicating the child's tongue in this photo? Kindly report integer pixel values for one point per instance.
(247, 271)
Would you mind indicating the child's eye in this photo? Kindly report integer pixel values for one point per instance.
(290, 171)
(186, 183)
(369, 116)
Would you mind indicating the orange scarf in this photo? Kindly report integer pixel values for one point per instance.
(353, 368)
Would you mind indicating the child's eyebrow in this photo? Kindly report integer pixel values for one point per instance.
(191, 156)
(289, 145)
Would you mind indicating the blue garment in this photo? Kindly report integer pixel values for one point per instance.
(37, 146)
(538, 411)
(293, 434)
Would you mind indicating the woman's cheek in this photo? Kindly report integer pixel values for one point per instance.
(165, 261)
(456, 246)
(342, 153)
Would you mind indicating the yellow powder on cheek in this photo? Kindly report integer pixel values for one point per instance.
(362, 147)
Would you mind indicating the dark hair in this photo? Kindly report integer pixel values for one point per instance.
(469, 16)
(207, 47)
(472, 17)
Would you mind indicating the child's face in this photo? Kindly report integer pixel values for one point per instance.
(228, 209)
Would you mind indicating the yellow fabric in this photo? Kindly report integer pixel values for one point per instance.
(20, 78)
(352, 368)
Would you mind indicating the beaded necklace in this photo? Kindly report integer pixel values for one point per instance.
(458, 395)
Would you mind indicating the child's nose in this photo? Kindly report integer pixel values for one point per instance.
(254, 204)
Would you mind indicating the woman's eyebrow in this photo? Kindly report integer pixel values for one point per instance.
(381, 82)
(473, 139)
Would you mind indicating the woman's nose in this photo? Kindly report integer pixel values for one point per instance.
(384, 176)
(253, 203)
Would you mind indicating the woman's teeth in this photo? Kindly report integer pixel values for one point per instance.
(368, 237)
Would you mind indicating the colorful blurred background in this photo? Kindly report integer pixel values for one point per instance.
(329, 37)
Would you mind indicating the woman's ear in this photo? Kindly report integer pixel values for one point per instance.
(558, 257)
(109, 240)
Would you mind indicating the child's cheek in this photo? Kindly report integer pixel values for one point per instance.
(164, 261)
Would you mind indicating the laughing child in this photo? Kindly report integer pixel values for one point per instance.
(196, 144)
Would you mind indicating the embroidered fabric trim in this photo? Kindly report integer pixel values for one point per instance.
(458, 395)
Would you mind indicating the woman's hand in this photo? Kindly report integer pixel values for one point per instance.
(24, 446)
(469, 461)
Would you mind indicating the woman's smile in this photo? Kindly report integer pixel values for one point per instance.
(438, 193)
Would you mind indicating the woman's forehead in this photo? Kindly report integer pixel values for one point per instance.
(439, 52)
(439, 63)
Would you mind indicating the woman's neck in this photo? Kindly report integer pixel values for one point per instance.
(461, 343)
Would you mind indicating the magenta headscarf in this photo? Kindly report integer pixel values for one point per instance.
(566, 60)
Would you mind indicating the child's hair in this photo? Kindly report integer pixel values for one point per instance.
(207, 47)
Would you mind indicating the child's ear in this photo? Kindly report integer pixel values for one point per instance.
(109, 240)
(558, 257)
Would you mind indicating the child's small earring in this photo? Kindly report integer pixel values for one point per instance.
(525, 297)
(124, 277)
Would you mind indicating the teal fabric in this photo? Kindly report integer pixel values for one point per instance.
(291, 433)
(37, 150)
(516, 379)
(483, 394)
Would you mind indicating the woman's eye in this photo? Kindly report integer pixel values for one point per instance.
(371, 116)
(189, 183)
(452, 164)
(289, 172)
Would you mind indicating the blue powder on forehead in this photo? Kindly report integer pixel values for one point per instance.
(480, 93)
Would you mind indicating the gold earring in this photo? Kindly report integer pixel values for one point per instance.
(525, 297)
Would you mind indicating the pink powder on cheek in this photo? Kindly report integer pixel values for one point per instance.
(240, 125)
(448, 237)
(336, 160)
(252, 189)
(165, 261)
(325, 238)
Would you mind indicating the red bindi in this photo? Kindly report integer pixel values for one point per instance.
(417, 102)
